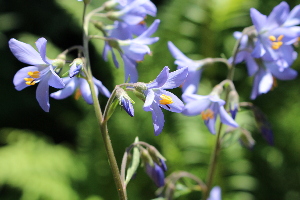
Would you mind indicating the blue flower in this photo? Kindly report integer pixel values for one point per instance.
(125, 102)
(276, 31)
(133, 11)
(133, 51)
(209, 107)
(82, 87)
(157, 97)
(192, 81)
(215, 193)
(265, 69)
(42, 70)
(156, 173)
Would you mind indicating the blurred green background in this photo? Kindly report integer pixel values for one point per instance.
(60, 156)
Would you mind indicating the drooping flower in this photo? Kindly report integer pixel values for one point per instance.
(133, 51)
(157, 97)
(81, 86)
(209, 107)
(276, 33)
(215, 193)
(41, 70)
(192, 81)
(156, 173)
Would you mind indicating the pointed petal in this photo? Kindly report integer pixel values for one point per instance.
(131, 72)
(71, 85)
(176, 53)
(160, 79)
(192, 81)
(42, 93)
(54, 80)
(41, 45)
(226, 118)
(102, 89)
(158, 119)
(258, 19)
(25, 52)
(149, 100)
(176, 78)
(86, 91)
(286, 74)
(294, 17)
(196, 107)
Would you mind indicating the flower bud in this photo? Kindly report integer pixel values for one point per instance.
(233, 103)
(76, 67)
(125, 101)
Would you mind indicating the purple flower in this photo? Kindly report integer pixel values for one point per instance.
(192, 81)
(276, 31)
(215, 193)
(209, 107)
(133, 51)
(156, 173)
(126, 103)
(264, 69)
(157, 97)
(133, 11)
(41, 70)
(82, 87)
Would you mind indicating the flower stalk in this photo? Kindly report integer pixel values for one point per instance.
(101, 122)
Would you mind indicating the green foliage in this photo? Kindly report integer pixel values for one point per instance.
(39, 169)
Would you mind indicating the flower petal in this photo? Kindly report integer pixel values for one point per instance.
(226, 118)
(42, 93)
(149, 100)
(176, 78)
(71, 85)
(157, 118)
(86, 91)
(54, 80)
(177, 105)
(160, 79)
(131, 72)
(258, 19)
(19, 81)
(25, 52)
(196, 107)
(41, 45)
(102, 89)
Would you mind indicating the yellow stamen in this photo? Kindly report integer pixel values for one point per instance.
(77, 94)
(207, 114)
(28, 79)
(276, 42)
(165, 99)
(30, 82)
(35, 74)
(272, 38)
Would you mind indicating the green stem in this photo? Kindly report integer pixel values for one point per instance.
(217, 147)
(102, 124)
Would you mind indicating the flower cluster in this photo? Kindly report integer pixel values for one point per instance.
(209, 106)
(45, 72)
(156, 97)
(129, 22)
(267, 49)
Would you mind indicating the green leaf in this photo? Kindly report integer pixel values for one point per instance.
(134, 163)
